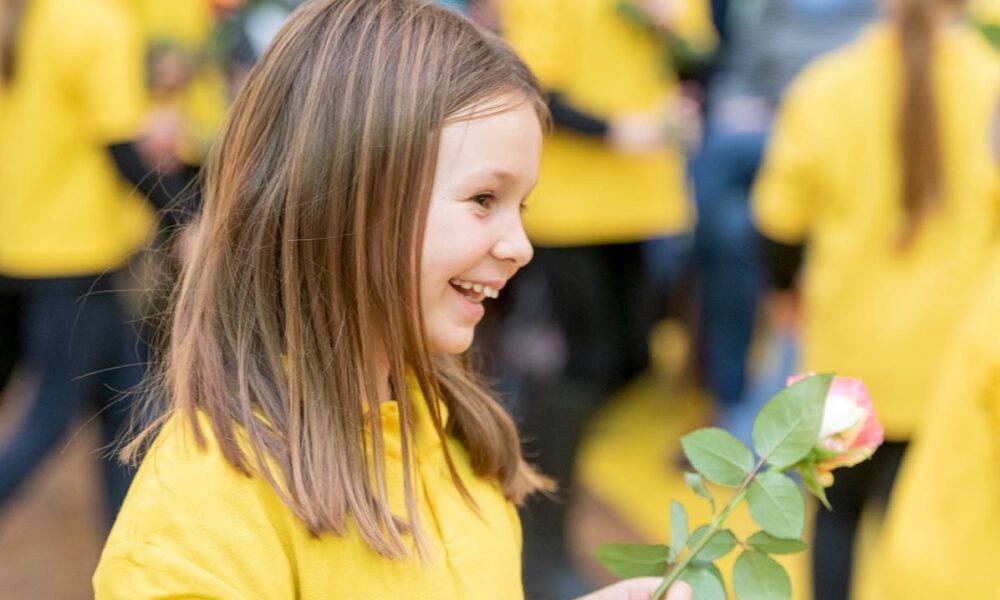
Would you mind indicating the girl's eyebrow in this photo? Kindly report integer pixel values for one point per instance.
(501, 174)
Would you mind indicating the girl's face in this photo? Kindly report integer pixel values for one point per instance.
(473, 240)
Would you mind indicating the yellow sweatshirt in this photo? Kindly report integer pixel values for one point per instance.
(194, 527)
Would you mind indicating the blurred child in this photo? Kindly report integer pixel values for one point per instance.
(881, 163)
(72, 105)
(324, 437)
(940, 531)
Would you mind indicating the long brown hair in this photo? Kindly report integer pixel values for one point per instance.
(304, 277)
(11, 18)
(922, 171)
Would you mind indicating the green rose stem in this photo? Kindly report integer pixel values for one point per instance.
(713, 528)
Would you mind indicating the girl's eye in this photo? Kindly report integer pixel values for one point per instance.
(484, 200)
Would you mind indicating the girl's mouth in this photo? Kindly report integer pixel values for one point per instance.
(476, 292)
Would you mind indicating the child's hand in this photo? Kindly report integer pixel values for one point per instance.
(641, 588)
(663, 13)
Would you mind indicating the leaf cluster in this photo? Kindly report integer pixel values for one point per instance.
(784, 435)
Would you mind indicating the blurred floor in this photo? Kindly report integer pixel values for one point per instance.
(50, 534)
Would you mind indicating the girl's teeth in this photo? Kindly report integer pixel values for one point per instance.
(478, 288)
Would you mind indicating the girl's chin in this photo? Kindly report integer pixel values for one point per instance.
(451, 343)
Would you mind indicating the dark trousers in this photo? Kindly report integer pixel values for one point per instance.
(10, 330)
(727, 258)
(866, 484)
(75, 338)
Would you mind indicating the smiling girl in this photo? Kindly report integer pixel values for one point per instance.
(324, 437)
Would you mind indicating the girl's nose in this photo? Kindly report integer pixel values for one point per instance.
(513, 245)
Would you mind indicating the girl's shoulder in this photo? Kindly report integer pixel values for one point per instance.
(189, 515)
(185, 485)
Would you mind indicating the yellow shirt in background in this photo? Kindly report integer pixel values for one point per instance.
(64, 210)
(940, 537)
(192, 526)
(830, 179)
(605, 65)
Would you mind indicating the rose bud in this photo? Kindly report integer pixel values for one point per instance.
(850, 432)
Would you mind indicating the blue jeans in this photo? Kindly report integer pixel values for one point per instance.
(727, 257)
(87, 359)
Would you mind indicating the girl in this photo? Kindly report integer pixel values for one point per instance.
(882, 160)
(324, 437)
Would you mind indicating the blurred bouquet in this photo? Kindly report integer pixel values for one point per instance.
(815, 425)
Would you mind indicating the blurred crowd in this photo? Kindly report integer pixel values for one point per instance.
(794, 184)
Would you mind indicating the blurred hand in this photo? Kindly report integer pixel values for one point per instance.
(676, 120)
(685, 122)
(784, 310)
(638, 133)
(641, 588)
(159, 144)
(663, 13)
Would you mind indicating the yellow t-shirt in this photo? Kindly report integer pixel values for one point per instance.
(942, 526)
(829, 179)
(605, 65)
(64, 210)
(192, 526)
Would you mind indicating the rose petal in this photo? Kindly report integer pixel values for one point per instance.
(840, 414)
(871, 435)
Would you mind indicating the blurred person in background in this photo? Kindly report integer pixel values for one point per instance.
(72, 108)
(939, 539)
(613, 180)
(881, 169)
(768, 43)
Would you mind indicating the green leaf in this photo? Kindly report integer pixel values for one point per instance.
(809, 479)
(719, 456)
(678, 526)
(787, 428)
(697, 484)
(769, 544)
(705, 582)
(634, 560)
(819, 455)
(757, 577)
(776, 504)
(717, 547)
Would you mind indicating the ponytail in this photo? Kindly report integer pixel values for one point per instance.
(919, 138)
(11, 15)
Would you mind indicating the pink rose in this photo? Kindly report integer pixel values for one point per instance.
(850, 432)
